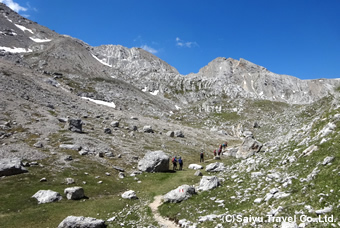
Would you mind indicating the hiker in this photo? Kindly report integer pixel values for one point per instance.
(219, 150)
(224, 145)
(180, 162)
(174, 163)
(202, 156)
(214, 153)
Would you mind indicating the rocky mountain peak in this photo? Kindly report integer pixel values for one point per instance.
(131, 60)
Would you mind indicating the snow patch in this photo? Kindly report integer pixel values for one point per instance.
(15, 49)
(145, 89)
(23, 28)
(8, 18)
(37, 40)
(177, 107)
(109, 104)
(101, 61)
(154, 92)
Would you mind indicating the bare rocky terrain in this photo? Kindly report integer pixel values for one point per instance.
(74, 115)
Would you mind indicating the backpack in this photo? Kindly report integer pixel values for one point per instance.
(173, 160)
(180, 161)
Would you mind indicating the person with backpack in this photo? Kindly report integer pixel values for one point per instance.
(214, 153)
(219, 150)
(174, 163)
(180, 162)
(202, 156)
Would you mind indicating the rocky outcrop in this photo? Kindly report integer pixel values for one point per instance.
(195, 166)
(156, 161)
(82, 222)
(179, 194)
(47, 196)
(10, 167)
(249, 147)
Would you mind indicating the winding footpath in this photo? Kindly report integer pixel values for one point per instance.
(163, 222)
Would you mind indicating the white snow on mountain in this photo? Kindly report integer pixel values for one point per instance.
(101, 61)
(23, 28)
(109, 104)
(37, 40)
(15, 50)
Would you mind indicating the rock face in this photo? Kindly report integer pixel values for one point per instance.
(208, 182)
(74, 193)
(10, 167)
(249, 147)
(82, 222)
(129, 195)
(47, 196)
(179, 194)
(156, 161)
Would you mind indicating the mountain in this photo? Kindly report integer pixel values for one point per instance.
(76, 115)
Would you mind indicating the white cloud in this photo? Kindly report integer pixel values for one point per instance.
(188, 44)
(149, 49)
(13, 5)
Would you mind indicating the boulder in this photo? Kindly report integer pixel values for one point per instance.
(215, 167)
(147, 129)
(170, 133)
(74, 193)
(82, 222)
(179, 194)
(107, 131)
(114, 124)
(47, 196)
(155, 161)
(249, 147)
(208, 182)
(195, 166)
(75, 125)
(179, 133)
(10, 167)
(69, 180)
(129, 195)
(327, 160)
(198, 173)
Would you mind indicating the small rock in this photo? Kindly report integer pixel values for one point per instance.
(74, 193)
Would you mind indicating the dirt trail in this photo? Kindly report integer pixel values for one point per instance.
(163, 222)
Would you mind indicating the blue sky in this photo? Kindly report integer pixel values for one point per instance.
(294, 37)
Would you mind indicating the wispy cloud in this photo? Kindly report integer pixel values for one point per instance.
(13, 5)
(188, 44)
(149, 49)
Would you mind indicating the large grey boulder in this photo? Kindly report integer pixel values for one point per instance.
(10, 167)
(179, 194)
(208, 182)
(155, 161)
(129, 195)
(215, 167)
(47, 196)
(74, 193)
(75, 125)
(81, 222)
(249, 147)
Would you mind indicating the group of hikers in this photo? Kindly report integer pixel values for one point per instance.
(220, 149)
(174, 163)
